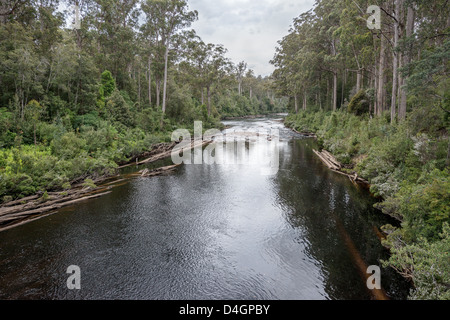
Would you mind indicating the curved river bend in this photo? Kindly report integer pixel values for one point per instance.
(208, 232)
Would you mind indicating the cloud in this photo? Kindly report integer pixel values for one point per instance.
(249, 29)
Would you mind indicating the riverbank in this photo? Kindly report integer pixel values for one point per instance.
(406, 166)
(254, 116)
(333, 164)
(17, 212)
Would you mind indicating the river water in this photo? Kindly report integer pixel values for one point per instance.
(209, 231)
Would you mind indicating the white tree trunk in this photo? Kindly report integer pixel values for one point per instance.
(395, 64)
(166, 62)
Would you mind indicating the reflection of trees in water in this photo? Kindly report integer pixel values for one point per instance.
(317, 200)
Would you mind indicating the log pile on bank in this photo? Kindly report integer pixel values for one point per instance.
(27, 209)
(24, 210)
(330, 161)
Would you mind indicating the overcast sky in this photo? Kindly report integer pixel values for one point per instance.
(249, 29)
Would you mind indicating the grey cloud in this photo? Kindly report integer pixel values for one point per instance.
(248, 29)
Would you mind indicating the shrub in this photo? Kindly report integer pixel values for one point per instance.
(359, 104)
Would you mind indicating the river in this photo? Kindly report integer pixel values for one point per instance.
(209, 231)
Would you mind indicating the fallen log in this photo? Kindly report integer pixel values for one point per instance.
(327, 161)
(194, 144)
(38, 204)
(331, 158)
(159, 151)
(21, 215)
(330, 161)
(151, 173)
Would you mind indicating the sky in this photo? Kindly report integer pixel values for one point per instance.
(249, 29)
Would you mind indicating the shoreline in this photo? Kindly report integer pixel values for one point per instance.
(330, 161)
(17, 212)
(252, 116)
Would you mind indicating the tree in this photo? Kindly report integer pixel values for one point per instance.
(169, 16)
(240, 72)
(108, 83)
(34, 111)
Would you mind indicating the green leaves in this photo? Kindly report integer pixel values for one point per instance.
(108, 84)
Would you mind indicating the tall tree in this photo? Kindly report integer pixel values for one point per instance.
(169, 16)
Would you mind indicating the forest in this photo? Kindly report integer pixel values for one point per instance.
(77, 98)
(379, 100)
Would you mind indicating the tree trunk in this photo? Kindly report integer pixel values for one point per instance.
(406, 61)
(166, 62)
(150, 80)
(335, 90)
(395, 64)
(139, 87)
(304, 100)
(295, 103)
(208, 94)
(358, 80)
(158, 92)
(380, 92)
(320, 99)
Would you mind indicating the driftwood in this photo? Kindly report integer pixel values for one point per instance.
(17, 212)
(158, 171)
(330, 161)
(163, 151)
(158, 152)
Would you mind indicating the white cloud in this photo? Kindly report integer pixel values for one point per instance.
(249, 29)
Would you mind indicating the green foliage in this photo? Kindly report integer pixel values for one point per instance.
(118, 109)
(89, 184)
(359, 104)
(7, 135)
(427, 263)
(108, 84)
(406, 165)
(423, 206)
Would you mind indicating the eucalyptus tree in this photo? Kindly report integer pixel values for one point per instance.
(240, 70)
(168, 17)
(114, 22)
(213, 67)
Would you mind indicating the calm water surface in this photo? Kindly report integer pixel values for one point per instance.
(208, 232)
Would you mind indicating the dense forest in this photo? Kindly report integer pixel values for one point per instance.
(85, 85)
(379, 100)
